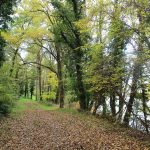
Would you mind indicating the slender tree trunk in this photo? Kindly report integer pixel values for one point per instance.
(36, 88)
(113, 104)
(26, 89)
(96, 105)
(104, 105)
(57, 95)
(61, 96)
(144, 98)
(26, 85)
(98, 101)
(121, 105)
(39, 79)
(60, 80)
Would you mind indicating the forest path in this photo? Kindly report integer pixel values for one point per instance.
(36, 128)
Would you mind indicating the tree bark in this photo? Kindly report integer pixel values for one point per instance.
(136, 74)
(96, 105)
(81, 90)
(39, 72)
(13, 62)
(144, 99)
(113, 104)
(60, 80)
(132, 94)
(57, 95)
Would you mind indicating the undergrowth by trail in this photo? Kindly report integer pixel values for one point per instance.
(29, 104)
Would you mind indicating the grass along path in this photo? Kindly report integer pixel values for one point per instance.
(34, 126)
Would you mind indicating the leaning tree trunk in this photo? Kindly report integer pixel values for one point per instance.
(136, 73)
(97, 103)
(132, 93)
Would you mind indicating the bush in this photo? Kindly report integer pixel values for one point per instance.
(49, 96)
(7, 92)
(5, 105)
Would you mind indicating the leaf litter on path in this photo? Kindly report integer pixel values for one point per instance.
(52, 130)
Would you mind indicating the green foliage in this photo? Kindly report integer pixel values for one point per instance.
(6, 9)
(5, 12)
(49, 96)
(71, 96)
(23, 104)
(8, 91)
(52, 84)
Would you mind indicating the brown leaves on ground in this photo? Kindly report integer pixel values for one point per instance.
(50, 130)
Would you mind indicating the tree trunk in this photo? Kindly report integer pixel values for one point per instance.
(13, 62)
(132, 93)
(144, 99)
(36, 88)
(136, 72)
(121, 104)
(40, 84)
(60, 80)
(96, 105)
(104, 105)
(81, 90)
(78, 55)
(98, 101)
(39, 80)
(26, 89)
(26, 85)
(113, 104)
(57, 95)
(61, 94)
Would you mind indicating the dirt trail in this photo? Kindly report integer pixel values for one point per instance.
(52, 130)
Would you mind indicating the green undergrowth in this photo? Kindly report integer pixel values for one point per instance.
(24, 104)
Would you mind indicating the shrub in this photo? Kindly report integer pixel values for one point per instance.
(7, 92)
(49, 96)
(6, 103)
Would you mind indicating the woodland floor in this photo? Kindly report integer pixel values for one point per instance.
(36, 127)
